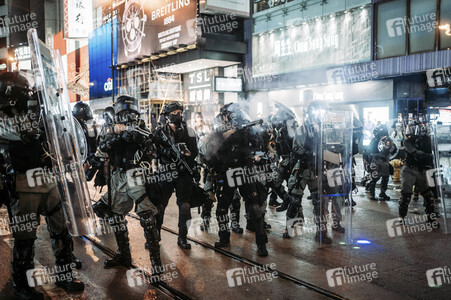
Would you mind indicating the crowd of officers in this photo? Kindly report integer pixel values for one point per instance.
(205, 157)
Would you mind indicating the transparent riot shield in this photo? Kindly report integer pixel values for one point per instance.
(439, 178)
(61, 136)
(333, 209)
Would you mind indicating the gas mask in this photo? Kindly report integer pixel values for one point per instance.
(175, 118)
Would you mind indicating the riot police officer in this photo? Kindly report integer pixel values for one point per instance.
(83, 113)
(284, 122)
(376, 158)
(32, 199)
(175, 132)
(306, 146)
(123, 145)
(418, 147)
(229, 149)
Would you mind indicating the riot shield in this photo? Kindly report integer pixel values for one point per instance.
(439, 178)
(334, 177)
(61, 136)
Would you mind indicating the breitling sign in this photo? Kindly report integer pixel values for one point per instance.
(147, 27)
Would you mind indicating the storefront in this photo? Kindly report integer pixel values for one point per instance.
(176, 51)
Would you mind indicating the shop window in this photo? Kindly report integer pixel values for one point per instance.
(3, 42)
(445, 22)
(391, 29)
(421, 25)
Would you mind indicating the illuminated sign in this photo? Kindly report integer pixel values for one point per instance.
(239, 7)
(108, 86)
(22, 53)
(227, 84)
(77, 18)
(147, 27)
(322, 42)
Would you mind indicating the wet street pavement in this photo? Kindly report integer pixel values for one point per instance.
(296, 268)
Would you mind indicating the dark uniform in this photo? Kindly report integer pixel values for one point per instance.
(122, 147)
(33, 196)
(185, 140)
(377, 163)
(419, 159)
(230, 147)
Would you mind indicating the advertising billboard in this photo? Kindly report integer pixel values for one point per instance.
(77, 18)
(151, 26)
(101, 83)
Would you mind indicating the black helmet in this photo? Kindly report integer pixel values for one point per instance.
(15, 92)
(109, 115)
(170, 107)
(126, 109)
(314, 110)
(82, 111)
(380, 131)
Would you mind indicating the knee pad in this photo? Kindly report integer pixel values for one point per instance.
(147, 220)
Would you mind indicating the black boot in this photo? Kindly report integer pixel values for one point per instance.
(206, 215)
(262, 251)
(183, 243)
(286, 202)
(383, 196)
(321, 237)
(222, 243)
(430, 211)
(23, 254)
(68, 281)
(119, 225)
(184, 217)
(338, 228)
(148, 223)
(273, 200)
